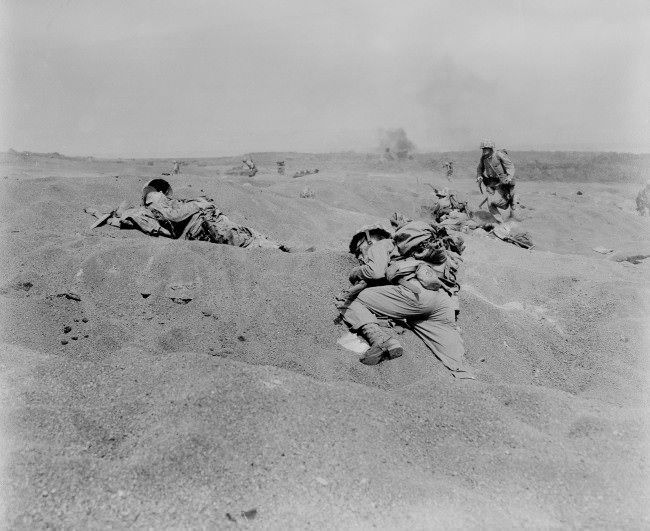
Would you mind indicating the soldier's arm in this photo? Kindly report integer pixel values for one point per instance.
(175, 211)
(377, 261)
(479, 170)
(508, 166)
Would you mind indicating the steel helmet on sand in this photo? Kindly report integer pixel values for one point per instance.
(366, 232)
(156, 185)
(486, 143)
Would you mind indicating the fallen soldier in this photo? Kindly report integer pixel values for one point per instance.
(445, 203)
(453, 214)
(410, 276)
(189, 219)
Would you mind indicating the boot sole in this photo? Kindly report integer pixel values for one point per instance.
(372, 356)
(378, 355)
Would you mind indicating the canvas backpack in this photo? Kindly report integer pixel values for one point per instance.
(432, 245)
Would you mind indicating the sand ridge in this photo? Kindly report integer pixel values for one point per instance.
(206, 379)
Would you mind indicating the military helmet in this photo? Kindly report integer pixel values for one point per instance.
(366, 232)
(156, 185)
(487, 144)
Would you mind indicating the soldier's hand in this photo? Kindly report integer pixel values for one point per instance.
(342, 300)
(354, 275)
(344, 295)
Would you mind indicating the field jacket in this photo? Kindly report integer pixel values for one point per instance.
(496, 169)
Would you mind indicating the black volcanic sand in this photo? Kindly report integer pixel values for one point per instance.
(152, 383)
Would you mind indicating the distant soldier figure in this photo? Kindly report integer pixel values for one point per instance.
(177, 168)
(280, 167)
(252, 169)
(496, 171)
(449, 166)
(642, 200)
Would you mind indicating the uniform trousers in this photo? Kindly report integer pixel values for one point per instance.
(430, 314)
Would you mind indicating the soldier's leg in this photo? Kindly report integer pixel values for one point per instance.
(513, 200)
(231, 233)
(227, 232)
(383, 301)
(494, 210)
(261, 241)
(440, 334)
(361, 315)
(499, 201)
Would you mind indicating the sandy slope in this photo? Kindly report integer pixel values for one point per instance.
(162, 414)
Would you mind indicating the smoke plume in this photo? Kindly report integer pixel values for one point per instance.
(395, 142)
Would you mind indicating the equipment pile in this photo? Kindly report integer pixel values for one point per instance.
(453, 213)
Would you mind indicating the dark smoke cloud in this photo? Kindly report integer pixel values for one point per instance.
(395, 141)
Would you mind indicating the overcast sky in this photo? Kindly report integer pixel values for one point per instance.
(192, 78)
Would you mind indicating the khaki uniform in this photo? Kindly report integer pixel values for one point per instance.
(199, 219)
(430, 314)
(497, 173)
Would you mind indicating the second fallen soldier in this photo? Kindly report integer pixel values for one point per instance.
(407, 277)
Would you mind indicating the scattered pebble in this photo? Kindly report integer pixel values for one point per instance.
(66, 329)
(84, 320)
(64, 341)
(74, 338)
(206, 313)
(250, 514)
(241, 338)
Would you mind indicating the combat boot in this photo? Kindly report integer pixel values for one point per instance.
(382, 345)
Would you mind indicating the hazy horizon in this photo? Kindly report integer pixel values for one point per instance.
(206, 79)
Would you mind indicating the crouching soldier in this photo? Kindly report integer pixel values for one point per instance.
(392, 282)
(497, 172)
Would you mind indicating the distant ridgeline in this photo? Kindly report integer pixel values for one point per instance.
(570, 166)
(580, 166)
(35, 154)
(53, 155)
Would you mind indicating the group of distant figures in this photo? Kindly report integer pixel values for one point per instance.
(250, 168)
